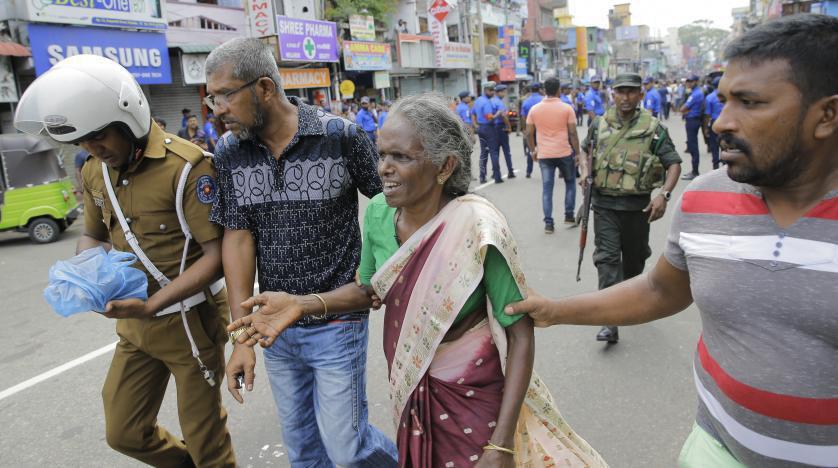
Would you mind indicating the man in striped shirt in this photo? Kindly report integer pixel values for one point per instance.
(755, 245)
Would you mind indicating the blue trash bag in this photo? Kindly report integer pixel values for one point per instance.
(91, 279)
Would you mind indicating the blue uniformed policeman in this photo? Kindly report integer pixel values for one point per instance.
(463, 110)
(502, 127)
(536, 95)
(652, 100)
(366, 120)
(712, 110)
(483, 115)
(692, 112)
(565, 95)
(593, 101)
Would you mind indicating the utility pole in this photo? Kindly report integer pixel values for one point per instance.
(465, 36)
(481, 41)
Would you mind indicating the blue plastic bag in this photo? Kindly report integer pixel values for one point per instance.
(91, 279)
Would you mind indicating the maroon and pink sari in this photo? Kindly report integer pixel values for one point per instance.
(446, 381)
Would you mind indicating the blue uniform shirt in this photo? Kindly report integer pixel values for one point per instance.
(593, 102)
(482, 106)
(694, 103)
(534, 99)
(652, 101)
(498, 105)
(712, 106)
(381, 118)
(566, 99)
(365, 121)
(463, 112)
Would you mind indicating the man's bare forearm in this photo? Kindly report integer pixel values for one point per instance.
(194, 279)
(238, 255)
(86, 241)
(531, 137)
(673, 172)
(347, 298)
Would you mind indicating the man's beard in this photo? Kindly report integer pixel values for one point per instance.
(788, 166)
(249, 133)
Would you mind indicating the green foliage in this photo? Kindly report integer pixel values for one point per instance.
(339, 10)
(709, 41)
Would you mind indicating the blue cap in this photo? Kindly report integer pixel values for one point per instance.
(693, 78)
(648, 80)
(596, 79)
(463, 95)
(500, 87)
(535, 85)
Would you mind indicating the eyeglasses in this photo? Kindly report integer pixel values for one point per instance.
(213, 102)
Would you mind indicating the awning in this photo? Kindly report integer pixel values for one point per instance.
(14, 49)
(196, 48)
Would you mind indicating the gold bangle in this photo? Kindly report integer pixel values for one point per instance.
(325, 308)
(491, 446)
(235, 334)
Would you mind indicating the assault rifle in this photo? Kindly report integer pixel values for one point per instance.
(583, 215)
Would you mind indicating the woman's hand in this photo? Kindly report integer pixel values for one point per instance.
(277, 311)
(496, 459)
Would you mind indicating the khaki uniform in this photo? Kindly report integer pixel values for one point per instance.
(150, 350)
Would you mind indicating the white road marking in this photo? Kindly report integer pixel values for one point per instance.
(56, 371)
(106, 349)
(482, 186)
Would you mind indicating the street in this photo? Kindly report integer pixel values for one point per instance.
(634, 401)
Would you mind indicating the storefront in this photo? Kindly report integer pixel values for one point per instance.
(11, 53)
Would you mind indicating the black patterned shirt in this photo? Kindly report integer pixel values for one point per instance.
(302, 209)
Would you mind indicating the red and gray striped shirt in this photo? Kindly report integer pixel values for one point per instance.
(766, 367)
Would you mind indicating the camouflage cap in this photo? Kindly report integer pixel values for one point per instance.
(627, 80)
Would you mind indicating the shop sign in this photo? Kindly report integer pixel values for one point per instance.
(193, 68)
(8, 90)
(260, 14)
(303, 40)
(437, 12)
(362, 28)
(134, 14)
(347, 88)
(457, 55)
(299, 78)
(381, 79)
(144, 54)
(366, 56)
(508, 39)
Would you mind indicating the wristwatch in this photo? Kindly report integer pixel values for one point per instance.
(666, 194)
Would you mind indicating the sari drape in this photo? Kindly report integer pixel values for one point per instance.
(445, 396)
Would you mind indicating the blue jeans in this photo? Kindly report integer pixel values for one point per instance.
(713, 146)
(488, 147)
(318, 378)
(567, 171)
(693, 126)
(503, 144)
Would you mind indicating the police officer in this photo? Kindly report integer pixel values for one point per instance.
(652, 100)
(463, 109)
(483, 114)
(536, 95)
(131, 203)
(502, 127)
(565, 95)
(633, 155)
(593, 100)
(692, 111)
(712, 110)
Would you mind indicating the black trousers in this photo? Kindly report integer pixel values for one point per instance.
(621, 240)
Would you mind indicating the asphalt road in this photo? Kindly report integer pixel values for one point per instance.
(634, 402)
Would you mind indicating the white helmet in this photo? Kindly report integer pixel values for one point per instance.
(80, 96)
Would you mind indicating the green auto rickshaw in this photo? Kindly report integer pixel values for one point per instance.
(36, 196)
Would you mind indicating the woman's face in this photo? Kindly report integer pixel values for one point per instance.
(409, 178)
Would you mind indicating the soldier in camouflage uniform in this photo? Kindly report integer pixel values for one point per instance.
(633, 155)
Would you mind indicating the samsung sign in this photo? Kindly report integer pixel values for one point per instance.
(144, 54)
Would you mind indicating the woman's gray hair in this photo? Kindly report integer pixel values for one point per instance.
(250, 57)
(442, 135)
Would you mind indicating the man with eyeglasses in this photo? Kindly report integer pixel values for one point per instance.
(288, 177)
(132, 190)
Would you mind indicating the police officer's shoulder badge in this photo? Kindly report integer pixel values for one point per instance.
(207, 190)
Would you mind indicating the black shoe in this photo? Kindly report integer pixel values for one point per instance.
(609, 334)
(482, 181)
(549, 229)
(498, 181)
(528, 176)
(569, 220)
(511, 175)
(690, 176)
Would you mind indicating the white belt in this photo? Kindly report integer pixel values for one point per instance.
(192, 301)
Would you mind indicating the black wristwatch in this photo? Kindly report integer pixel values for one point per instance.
(666, 194)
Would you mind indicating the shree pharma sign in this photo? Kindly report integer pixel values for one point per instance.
(133, 14)
(303, 40)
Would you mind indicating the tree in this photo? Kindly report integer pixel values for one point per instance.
(340, 10)
(707, 41)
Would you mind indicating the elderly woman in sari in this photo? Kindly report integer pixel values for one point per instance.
(445, 265)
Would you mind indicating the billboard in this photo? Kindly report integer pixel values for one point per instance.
(362, 28)
(134, 14)
(366, 56)
(299, 78)
(260, 14)
(303, 40)
(144, 54)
